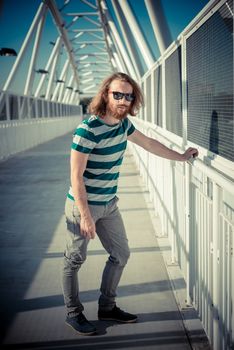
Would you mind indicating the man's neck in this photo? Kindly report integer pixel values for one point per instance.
(108, 119)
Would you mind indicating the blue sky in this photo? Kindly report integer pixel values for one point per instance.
(16, 17)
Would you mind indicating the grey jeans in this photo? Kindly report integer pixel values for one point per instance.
(111, 232)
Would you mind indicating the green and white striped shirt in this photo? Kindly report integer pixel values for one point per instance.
(105, 145)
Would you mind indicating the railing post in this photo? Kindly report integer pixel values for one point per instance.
(187, 229)
(216, 270)
(7, 107)
(18, 107)
(36, 108)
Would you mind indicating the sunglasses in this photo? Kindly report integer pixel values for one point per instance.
(117, 95)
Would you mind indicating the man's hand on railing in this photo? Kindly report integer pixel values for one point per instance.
(190, 154)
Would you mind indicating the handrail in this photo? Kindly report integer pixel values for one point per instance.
(221, 180)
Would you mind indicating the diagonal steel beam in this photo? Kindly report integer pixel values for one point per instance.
(89, 4)
(139, 37)
(60, 23)
(159, 24)
(127, 35)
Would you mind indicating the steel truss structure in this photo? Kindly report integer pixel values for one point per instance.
(93, 45)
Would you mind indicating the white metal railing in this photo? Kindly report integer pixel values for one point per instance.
(18, 107)
(26, 121)
(195, 205)
(195, 202)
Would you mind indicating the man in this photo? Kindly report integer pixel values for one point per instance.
(91, 207)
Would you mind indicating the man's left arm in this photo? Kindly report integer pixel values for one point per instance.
(157, 148)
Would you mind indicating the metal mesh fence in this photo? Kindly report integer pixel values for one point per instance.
(158, 95)
(210, 83)
(174, 92)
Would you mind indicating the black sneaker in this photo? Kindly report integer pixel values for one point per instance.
(81, 325)
(116, 314)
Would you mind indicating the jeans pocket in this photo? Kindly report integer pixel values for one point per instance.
(72, 227)
(113, 204)
(115, 200)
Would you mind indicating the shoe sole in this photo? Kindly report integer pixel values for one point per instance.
(80, 333)
(115, 319)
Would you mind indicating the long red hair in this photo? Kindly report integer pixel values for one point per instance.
(99, 102)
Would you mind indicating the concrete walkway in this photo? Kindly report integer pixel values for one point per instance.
(33, 187)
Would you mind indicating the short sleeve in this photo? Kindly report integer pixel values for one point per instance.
(83, 139)
(131, 128)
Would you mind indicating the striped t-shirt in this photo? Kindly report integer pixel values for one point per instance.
(105, 145)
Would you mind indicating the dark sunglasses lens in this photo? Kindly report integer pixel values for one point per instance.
(118, 95)
(129, 97)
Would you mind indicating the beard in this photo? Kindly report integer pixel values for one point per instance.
(118, 112)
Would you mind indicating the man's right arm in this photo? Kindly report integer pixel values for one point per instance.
(78, 162)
